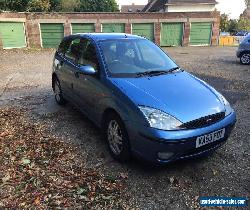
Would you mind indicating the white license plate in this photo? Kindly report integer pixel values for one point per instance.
(209, 138)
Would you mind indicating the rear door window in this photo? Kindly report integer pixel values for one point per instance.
(73, 51)
(64, 45)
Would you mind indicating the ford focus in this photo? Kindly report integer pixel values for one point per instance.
(145, 104)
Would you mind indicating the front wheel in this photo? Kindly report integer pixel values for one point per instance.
(245, 58)
(58, 92)
(117, 138)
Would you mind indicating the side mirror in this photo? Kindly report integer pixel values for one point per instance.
(87, 70)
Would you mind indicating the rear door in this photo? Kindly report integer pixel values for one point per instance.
(59, 62)
(69, 66)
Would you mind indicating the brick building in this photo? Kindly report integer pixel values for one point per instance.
(165, 29)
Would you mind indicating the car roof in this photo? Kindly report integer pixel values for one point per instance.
(107, 36)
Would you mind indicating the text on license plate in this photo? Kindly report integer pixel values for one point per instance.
(209, 138)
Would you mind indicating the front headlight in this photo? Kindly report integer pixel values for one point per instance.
(160, 120)
(228, 109)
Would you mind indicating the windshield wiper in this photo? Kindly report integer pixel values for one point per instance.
(174, 69)
(156, 73)
(151, 73)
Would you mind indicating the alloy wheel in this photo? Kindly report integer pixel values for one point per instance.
(57, 91)
(115, 138)
(245, 58)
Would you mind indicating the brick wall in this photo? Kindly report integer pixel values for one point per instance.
(32, 21)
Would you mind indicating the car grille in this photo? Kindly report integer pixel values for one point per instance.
(204, 121)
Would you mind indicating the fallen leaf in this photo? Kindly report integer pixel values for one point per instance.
(81, 191)
(171, 179)
(25, 161)
(215, 172)
(6, 178)
(124, 175)
(85, 198)
(37, 201)
(5, 133)
(107, 197)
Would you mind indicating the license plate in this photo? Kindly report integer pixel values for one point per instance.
(209, 138)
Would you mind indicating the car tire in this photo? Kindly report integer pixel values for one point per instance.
(245, 58)
(117, 138)
(58, 92)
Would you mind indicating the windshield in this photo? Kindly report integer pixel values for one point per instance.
(134, 56)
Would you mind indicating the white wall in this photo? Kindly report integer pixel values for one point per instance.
(191, 8)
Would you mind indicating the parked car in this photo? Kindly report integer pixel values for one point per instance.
(243, 51)
(242, 33)
(223, 33)
(145, 104)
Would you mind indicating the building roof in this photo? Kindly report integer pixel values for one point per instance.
(246, 13)
(132, 8)
(156, 5)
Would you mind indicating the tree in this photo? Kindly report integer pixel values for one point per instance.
(98, 6)
(38, 6)
(70, 5)
(55, 5)
(233, 26)
(224, 22)
(243, 24)
(14, 5)
(59, 5)
(3, 5)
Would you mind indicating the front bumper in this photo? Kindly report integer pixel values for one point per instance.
(147, 142)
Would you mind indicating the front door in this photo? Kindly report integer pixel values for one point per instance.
(89, 88)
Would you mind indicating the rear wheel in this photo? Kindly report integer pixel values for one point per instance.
(117, 138)
(245, 58)
(58, 92)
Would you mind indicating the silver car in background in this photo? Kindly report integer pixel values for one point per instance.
(243, 51)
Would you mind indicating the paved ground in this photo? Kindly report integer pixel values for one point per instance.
(25, 81)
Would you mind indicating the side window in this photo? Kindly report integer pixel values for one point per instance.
(89, 56)
(64, 45)
(73, 51)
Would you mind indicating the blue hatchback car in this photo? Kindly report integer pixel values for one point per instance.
(145, 104)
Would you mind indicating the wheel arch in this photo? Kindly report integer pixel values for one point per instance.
(106, 112)
(245, 51)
